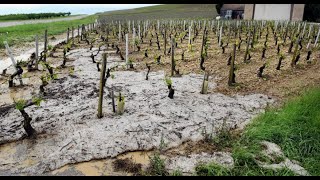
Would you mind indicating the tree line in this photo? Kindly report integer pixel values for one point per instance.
(33, 16)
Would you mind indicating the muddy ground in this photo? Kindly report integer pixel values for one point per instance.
(68, 130)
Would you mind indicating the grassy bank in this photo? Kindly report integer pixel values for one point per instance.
(26, 33)
(295, 128)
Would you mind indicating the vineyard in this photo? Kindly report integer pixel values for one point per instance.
(122, 85)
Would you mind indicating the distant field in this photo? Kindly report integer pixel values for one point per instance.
(61, 17)
(164, 11)
(26, 33)
(32, 16)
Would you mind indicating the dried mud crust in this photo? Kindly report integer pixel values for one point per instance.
(69, 131)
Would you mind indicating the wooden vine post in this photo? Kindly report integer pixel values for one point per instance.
(102, 80)
(127, 50)
(189, 35)
(231, 72)
(37, 51)
(247, 47)
(119, 32)
(315, 43)
(203, 41)
(68, 35)
(220, 36)
(112, 99)
(165, 40)
(134, 37)
(172, 57)
(204, 89)
(72, 33)
(9, 52)
(78, 33)
(83, 29)
(296, 53)
(45, 45)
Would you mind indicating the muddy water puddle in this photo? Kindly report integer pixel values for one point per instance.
(29, 89)
(103, 167)
(11, 155)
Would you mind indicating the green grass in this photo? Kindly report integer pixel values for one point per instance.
(295, 128)
(26, 33)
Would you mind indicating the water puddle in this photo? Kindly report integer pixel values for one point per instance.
(103, 167)
(7, 151)
(94, 168)
(10, 95)
(141, 157)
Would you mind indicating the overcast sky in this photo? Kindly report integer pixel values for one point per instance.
(73, 8)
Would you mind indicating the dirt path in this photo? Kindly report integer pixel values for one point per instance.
(15, 23)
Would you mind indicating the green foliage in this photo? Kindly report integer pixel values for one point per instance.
(155, 57)
(190, 47)
(136, 41)
(112, 76)
(213, 169)
(223, 138)
(24, 76)
(204, 54)
(37, 100)
(71, 71)
(282, 55)
(20, 104)
(295, 128)
(157, 166)
(130, 61)
(168, 81)
(22, 63)
(32, 16)
(44, 79)
(176, 173)
(163, 145)
(55, 76)
(120, 98)
(68, 45)
(268, 63)
(182, 35)
(49, 47)
(47, 77)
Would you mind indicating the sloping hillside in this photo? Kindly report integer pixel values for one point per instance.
(164, 11)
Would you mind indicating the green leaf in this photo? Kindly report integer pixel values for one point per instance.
(20, 104)
(37, 100)
(168, 81)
